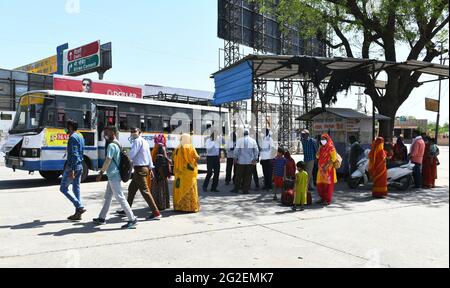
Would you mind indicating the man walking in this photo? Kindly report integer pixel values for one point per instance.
(212, 162)
(416, 157)
(111, 168)
(309, 151)
(267, 148)
(246, 157)
(142, 162)
(74, 169)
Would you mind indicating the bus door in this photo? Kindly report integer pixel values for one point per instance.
(106, 116)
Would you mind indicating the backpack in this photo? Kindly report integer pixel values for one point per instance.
(125, 166)
(291, 168)
(287, 197)
(338, 163)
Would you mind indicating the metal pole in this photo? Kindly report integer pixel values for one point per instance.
(374, 130)
(439, 100)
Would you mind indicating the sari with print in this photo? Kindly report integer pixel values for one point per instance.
(326, 176)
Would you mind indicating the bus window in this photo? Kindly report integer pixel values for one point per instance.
(143, 127)
(166, 126)
(133, 121)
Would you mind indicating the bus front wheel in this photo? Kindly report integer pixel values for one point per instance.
(50, 175)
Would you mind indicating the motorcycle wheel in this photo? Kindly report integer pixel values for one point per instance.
(404, 183)
(353, 183)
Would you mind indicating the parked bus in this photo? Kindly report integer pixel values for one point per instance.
(37, 140)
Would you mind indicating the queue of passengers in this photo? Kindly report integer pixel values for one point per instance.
(153, 169)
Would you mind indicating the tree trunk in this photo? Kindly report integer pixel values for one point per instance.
(386, 108)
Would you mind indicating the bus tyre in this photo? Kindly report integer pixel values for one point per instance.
(85, 173)
(50, 175)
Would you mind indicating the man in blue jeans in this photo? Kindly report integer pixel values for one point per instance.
(73, 169)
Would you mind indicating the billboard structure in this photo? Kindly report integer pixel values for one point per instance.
(241, 22)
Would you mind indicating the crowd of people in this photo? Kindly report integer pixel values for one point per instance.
(153, 169)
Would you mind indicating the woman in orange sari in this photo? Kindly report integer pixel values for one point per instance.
(378, 169)
(185, 192)
(326, 177)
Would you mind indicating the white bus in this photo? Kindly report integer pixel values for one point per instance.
(37, 141)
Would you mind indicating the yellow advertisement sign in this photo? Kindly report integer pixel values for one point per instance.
(46, 66)
(56, 137)
(432, 105)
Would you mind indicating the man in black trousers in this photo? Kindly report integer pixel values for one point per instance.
(212, 163)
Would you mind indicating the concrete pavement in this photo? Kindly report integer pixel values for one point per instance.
(407, 229)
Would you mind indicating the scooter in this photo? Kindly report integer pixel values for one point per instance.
(400, 176)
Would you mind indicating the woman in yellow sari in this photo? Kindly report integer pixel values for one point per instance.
(377, 168)
(185, 192)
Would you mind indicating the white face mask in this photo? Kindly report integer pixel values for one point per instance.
(324, 142)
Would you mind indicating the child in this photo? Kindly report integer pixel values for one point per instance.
(301, 187)
(279, 172)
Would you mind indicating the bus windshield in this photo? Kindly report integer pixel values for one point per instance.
(29, 113)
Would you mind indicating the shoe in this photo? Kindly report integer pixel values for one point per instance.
(81, 210)
(121, 213)
(275, 198)
(130, 224)
(302, 209)
(246, 193)
(155, 218)
(234, 191)
(99, 221)
(205, 189)
(294, 208)
(77, 216)
(215, 191)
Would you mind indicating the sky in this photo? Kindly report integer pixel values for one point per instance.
(170, 43)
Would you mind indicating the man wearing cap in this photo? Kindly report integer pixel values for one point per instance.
(246, 156)
(309, 151)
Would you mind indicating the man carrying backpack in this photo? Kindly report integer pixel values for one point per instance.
(142, 161)
(112, 170)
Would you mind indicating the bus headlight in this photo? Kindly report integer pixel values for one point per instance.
(24, 153)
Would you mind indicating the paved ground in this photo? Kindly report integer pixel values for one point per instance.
(409, 229)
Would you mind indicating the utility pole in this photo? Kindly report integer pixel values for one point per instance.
(442, 62)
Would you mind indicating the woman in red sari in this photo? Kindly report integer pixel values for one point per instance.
(326, 176)
(378, 169)
(429, 166)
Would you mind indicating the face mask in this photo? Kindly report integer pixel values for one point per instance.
(324, 142)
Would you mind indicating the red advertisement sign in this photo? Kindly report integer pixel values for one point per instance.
(89, 86)
(84, 51)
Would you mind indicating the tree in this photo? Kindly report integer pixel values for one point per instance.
(373, 26)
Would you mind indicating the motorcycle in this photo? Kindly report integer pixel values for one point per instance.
(400, 175)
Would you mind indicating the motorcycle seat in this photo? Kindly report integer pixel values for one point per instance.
(396, 164)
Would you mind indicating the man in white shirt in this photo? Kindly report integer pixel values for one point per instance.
(267, 148)
(212, 162)
(142, 161)
(246, 157)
